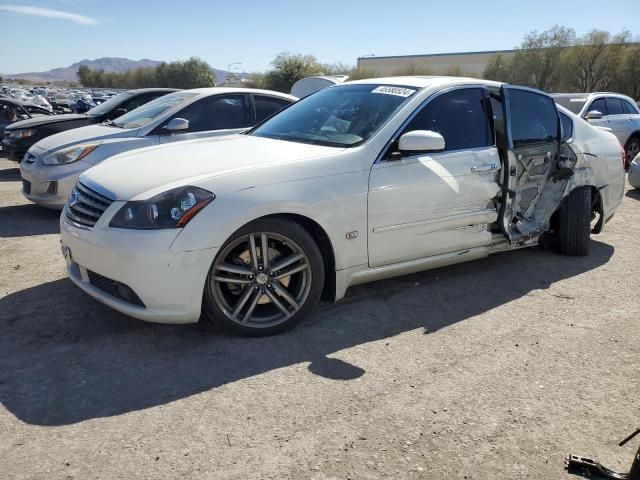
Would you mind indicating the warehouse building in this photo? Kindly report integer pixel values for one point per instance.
(468, 62)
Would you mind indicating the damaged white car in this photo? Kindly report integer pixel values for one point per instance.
(358, 182)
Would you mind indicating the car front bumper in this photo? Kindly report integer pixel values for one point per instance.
(49, 185)
(169, 285)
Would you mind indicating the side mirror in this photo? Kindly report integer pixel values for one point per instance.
(594, 115)
(176, 125)
(421, 141)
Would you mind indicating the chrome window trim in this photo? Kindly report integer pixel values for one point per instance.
(418, 109)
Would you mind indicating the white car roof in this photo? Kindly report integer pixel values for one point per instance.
(426, 81)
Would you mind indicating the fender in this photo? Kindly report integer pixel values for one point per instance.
(341, 215)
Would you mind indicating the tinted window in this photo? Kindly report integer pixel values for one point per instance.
(340, 116)
(459, 116)
(534, 118)
(571, 102)
(598, 105)
(614, 106)
(107, 106)
(215, 113)
(150, 111)
(567, 126)
(628, 108)
(139, 101)
(267, 106)
(7, 114)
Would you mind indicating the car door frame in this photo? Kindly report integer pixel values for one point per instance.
(450, 227)
(510, 177)
(158, 129)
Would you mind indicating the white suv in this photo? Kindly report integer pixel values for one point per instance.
(617, 112)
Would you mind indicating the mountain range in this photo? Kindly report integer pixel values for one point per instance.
(108, 64)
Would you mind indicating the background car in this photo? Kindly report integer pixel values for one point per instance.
(634, 172)
(51, 167)
(358, 182)
(12, 111)
(19, 138)
(617, 112)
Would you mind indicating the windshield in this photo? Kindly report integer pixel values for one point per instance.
(571, 102)
(342, 116)
(148, 112)
(111, 104)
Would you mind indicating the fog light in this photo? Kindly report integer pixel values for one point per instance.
(53, 187)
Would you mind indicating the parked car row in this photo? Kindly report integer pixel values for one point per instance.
(245, 207)
(617, 112)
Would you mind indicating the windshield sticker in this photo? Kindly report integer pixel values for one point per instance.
(397, 91)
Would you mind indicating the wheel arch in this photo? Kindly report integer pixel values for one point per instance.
(322, 239)
(597, 206)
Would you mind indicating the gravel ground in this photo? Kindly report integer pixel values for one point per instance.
(494, 369)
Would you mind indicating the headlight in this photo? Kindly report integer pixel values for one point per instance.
(69, 155)
(18, 134)
(170, 209)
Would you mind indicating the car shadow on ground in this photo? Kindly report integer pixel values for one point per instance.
(633, 193)
(10, 175)
(27, 220)
(65, 358)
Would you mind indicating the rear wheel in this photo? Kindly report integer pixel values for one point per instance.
(574, 223)
(632, 149)
(266, 278)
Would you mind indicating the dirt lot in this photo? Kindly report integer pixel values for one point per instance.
(494, 369)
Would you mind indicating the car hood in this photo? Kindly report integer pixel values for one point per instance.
(142, 173)
(48, 120)
(90, 133)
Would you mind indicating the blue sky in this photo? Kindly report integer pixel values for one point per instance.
(39, 35)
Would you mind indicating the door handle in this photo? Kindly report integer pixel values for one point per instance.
(487, 167)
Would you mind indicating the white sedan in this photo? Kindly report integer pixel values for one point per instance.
(358, 182)
(52, 166)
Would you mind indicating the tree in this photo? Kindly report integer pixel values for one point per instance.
(193, 73)
(498, 68)
(538, 62)
(288, 68)
(337, 68)
(592, 64)
(627, 79)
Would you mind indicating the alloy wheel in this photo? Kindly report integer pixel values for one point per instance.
(260, 279)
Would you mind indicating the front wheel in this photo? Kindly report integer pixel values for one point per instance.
(267, 277)
(574, 223)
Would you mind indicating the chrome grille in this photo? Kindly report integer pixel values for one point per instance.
(85, 206)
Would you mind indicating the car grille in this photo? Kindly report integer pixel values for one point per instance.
(85, 206)
(26, 187)
(115, 289)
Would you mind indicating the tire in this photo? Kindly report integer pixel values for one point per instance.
(250, 297)
(574, 223)
(632, 149)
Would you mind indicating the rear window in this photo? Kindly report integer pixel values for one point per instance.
(572, 103)
(628, 108)
(614, 106)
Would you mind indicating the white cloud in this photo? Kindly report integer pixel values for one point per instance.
(46, 12)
